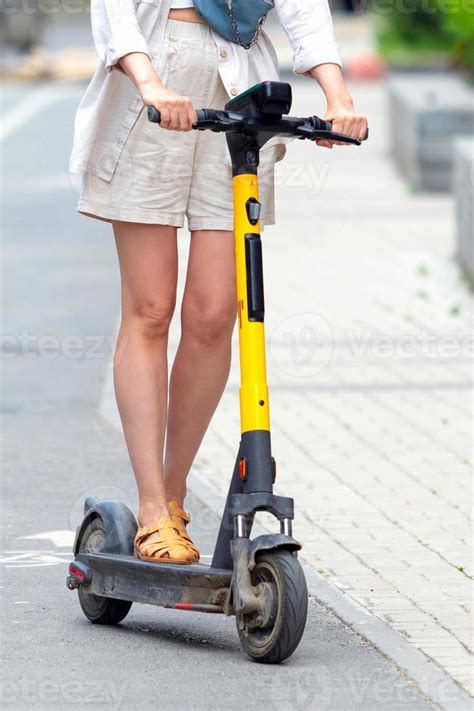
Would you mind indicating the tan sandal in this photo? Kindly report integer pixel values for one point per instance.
(180, 518)
(170, 548)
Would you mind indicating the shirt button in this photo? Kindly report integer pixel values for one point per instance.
(223, 53)
(234, 91)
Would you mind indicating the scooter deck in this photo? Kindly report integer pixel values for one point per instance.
(188, 587)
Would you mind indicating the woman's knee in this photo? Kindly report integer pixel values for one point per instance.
(208, 325)
(151, 318)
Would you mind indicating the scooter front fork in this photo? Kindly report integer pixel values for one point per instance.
(246, 598)
(241, 526)
(251, 489)
(260, 598)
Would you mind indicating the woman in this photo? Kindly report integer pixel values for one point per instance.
(144, 180)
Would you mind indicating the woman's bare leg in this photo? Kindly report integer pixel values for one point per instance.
(148, 267)
(202, 362)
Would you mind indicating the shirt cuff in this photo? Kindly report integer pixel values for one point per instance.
(118, 47)
(309, 55)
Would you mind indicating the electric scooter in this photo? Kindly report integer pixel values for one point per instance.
(258, 580)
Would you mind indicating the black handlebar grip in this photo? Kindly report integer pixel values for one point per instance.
(320, 124)
(201, 115)
(153, 115)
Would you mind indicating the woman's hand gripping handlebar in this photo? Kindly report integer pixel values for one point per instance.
(314, 127)
(311, 127)
(211, 119)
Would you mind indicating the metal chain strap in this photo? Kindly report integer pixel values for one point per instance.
(235, 27)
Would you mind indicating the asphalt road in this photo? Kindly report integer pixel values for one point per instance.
(61, 306)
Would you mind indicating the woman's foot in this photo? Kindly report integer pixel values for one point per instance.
(181, 518)
(162, 543)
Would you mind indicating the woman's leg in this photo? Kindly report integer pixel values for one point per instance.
(202, 362)
(148, 267)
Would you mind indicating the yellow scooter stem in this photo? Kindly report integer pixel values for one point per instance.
(254, 406)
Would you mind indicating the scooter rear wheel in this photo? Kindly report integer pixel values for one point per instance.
(278, 639)
(98, 609)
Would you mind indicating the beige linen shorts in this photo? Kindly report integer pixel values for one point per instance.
(163, 176)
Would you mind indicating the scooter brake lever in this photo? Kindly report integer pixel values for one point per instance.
(313, 134)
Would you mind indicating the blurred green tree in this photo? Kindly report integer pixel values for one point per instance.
(426, 32)
(459, 22)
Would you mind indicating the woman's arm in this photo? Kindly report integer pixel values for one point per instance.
(340, 109)
(120, 43)
(177, 111)
(116, 31)
(308, 24)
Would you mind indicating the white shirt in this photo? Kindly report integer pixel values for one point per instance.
(111, 103)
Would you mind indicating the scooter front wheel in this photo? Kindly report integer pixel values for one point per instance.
(276, 639)
(98, 609)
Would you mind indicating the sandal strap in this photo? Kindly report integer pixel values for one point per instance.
(184, 534)
(160, 548)
(170, 541)
(164, 524)
(190, 545)
(176, 510)
(182, 517)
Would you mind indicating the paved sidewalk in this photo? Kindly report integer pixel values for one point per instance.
(369, 368)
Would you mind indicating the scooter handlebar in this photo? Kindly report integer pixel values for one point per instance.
(221, 121)
(203, 114)
(322, 125)
(155, 116)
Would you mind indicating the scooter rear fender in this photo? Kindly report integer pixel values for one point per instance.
(119, 523)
